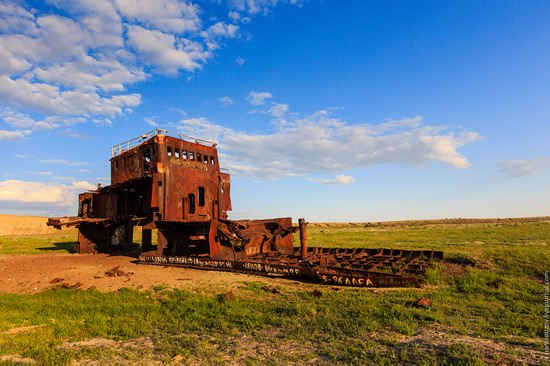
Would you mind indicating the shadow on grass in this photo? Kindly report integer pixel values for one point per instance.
(66, 246)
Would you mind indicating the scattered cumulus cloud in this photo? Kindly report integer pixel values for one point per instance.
(258, 98)
(522, 168)
(56, 195)
(226, 101)
(151, 121)
(164, 52)
(23, 122)
(340, 179)
(171, 16)
(278, 110)
(321, 144)
(77, 59)
(63, 162)
(200, 128)
(14, 135)
(260, 6)
(240, 61)
(69, 132)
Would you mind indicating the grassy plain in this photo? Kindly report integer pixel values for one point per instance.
(487, 308)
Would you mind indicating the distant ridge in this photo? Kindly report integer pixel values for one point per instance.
(36, 225)
(452, 221)
(25, 225)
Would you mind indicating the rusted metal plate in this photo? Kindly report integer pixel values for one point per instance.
(338, 273)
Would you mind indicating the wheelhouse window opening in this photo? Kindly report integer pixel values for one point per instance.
(201, 197)
(177, 153)
(212, 160)
(146, 160)
(206, 159)
(147, 156)
(184, 154)
(191, 199)
(169, 151)
(199, 157)
(191, 155)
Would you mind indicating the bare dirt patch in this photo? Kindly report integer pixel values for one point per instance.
(22, 329)
(492, 351)
(17, 359)
(33, 273)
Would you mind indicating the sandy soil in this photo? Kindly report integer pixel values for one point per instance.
(36, 272)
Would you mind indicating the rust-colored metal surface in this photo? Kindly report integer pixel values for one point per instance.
(173, 183)
(341, 267)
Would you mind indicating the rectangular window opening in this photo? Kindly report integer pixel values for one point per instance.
(191, 155)
(169, 151)
(191, 198)
(147, 156)
(177, 153)
(146, 161)
(184, 154)
(212, 160)
(201, 196)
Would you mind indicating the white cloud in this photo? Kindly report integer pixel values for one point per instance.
(234, 16)
(260, 6)
(240, 61)
(522, 168)
(13, 135)
(69, 132)
(226, 101)
(16, 19)
(63, 162)
(48, 98)
(90, 74)
(59, 195)
(258, 98)
(201, 128)
(80, 59)
(319, 143)
(221, 29)
(340, 179)
(99, 18)
(165, 15)
(164, 50)
(151, 121)
(278, 110)
(24, 121)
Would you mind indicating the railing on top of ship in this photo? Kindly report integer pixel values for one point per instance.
(127, 145)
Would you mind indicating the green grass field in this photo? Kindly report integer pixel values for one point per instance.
(487, 308)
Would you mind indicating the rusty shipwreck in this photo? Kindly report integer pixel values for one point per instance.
(173, 185)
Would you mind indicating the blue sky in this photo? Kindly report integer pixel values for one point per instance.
(328, 110)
